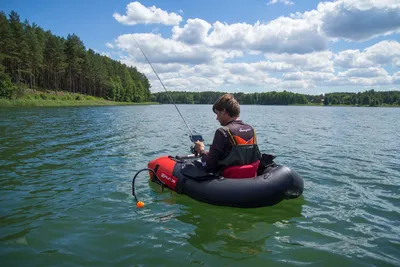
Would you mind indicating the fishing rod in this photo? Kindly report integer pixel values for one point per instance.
(192, 137)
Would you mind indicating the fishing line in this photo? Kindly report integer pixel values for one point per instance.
(191, 133)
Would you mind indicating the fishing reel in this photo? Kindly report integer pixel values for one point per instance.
(192, 150)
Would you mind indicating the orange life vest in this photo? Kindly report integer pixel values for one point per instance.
(244, 158)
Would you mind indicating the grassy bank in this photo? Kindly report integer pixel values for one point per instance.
(34, 98)
(61, 103)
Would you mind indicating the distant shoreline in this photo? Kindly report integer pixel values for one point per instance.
(23, 102)
(369, 98)
(293, 105)
(49, 98)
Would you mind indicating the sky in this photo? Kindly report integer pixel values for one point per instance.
(302, 46)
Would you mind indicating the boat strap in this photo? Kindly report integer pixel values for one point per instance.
(156, 168)
(180, 185)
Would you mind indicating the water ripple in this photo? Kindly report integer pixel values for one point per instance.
(66, 196)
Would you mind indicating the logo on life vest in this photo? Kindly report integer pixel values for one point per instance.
(166, 177)
(244, 130)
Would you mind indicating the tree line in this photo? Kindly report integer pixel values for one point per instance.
(34, 58)
(367, 98)
(267, 98)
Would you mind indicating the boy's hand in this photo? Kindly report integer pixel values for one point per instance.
(199, 146)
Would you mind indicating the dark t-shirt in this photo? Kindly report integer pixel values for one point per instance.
(222, 145)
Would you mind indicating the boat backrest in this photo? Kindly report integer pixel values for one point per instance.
(241, 172)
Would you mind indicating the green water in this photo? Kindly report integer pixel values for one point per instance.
(65, 189)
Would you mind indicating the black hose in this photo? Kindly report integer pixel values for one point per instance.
(133, 181)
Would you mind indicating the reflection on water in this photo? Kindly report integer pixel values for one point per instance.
(237, 233)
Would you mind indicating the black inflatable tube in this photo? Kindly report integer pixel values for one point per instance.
(274, 185)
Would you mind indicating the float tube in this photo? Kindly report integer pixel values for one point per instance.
(185, 175)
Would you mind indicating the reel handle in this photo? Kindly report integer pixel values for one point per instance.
(194, 138)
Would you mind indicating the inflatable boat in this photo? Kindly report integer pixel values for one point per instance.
(185, 175)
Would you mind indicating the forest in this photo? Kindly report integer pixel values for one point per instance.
(367, 98)
(31, 57)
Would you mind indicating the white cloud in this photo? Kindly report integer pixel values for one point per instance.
(283, 35)
(136, 13)
(384, 52)
(109, 45)
(380, 54)
(160, 50)
(210, 71)
(301, 32)
(352, 59)
(370, 82)
(309, 75)
(278, 36)
(270, 66)
(169, 67)
(286, 2)
(358, 20)
(317, 61)
(301, 84)
(299, 72)
(365, 72)
(240, 68)
(194, 32)
(192, 83)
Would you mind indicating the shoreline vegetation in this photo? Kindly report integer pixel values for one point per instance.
(46, 98)
(34, 98)
(38, 68)
(370, 98)
(63, 103)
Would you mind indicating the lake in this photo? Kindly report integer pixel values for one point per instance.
(66, 189)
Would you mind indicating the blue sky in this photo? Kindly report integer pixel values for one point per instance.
(303, 46)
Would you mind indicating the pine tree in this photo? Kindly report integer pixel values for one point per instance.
(17, 35)
(5, 42)
(74, 52)
(35, 54)
(54, 62)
